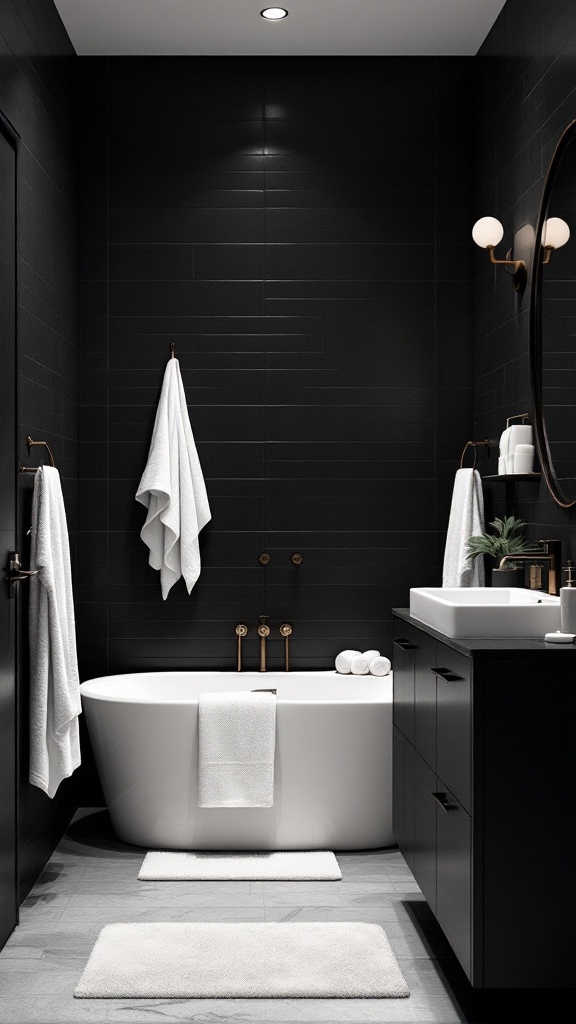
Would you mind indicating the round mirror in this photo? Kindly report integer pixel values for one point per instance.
(553, 324)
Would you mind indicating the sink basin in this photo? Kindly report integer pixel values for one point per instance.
(486, 612)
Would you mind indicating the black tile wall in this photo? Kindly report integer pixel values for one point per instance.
(525, 81)
(300, 229)
(37, 94)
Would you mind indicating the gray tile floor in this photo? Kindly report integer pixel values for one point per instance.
(91, 881)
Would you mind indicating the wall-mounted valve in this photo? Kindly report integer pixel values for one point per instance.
(263, 633)
(286, 632)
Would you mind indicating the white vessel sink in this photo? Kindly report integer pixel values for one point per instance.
(486, 612)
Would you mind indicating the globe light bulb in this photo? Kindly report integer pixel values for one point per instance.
(487, 231)
(556, 233)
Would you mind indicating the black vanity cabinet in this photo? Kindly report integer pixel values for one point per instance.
(485, 798)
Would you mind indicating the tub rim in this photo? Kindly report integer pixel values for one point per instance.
(382, 699)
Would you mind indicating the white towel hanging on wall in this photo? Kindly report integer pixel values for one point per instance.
(466, 520)
(54, 682)
(173, 490)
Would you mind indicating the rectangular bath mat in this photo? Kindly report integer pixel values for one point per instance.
(292, 865)
(347, 960)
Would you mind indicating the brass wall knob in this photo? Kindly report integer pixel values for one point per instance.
(264, 558)
(286, 629)
(263, 630)
(296, 558)
(241, 629)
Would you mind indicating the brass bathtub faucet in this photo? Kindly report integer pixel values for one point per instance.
(263, 632)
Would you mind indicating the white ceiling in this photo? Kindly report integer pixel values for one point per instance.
(312, 27)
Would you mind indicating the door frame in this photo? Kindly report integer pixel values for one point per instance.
(12, 137)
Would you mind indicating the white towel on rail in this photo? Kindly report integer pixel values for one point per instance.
(54, 682)
(173, 490)
(466, 520)
(236, 747)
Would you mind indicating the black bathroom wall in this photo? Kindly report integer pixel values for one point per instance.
(300, 229)
(525, 79)
(37, 94)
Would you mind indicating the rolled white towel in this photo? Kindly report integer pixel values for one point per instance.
(361, 664)
(380, 666)
(344, 661)
(371, 655)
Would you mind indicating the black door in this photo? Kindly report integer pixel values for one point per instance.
(8, 899)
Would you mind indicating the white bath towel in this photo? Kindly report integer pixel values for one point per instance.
(54, 682)
(466, 520)
(380, 666)
(236, 747)
(344, 661)
(173, 489)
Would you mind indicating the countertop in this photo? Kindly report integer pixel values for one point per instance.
(472, 647)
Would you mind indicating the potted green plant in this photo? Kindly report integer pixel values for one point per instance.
(508, 539)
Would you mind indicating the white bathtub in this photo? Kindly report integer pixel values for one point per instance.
(333, 770)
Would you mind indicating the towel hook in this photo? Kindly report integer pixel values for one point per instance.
(486, 443)
(17, 573)
(173, 350)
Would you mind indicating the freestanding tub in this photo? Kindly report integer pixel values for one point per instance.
(333, 769)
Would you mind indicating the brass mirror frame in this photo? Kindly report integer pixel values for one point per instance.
(542, 443)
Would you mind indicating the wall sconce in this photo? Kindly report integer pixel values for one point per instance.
(487, 233)
(555, 234)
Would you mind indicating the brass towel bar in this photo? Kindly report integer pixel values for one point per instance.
(486, 443)
(30, 444)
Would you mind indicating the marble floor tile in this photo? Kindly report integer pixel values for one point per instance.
(92, 881)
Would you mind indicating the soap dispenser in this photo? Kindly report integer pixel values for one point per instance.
(568, 601)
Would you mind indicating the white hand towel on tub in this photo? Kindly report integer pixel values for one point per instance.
(54, 682)
(236, 747)
(466, 520)
(173, 489)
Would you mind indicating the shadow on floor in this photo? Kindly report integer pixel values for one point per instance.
(94, 830)
(497, 1006)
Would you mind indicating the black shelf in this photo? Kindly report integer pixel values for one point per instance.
(507, 477)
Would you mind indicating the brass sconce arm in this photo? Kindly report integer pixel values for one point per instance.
(517, 271)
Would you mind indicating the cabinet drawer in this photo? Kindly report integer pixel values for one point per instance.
(424, 868)
(454, 875)
(403, 795)
(425, 700)
(406, 642)
(454, 722)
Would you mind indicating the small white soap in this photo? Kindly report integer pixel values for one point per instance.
(560, 638)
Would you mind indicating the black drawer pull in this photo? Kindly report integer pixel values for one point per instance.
(446, 674)
(405, 645)
(442, 801)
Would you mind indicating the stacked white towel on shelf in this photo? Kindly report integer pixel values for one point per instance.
(362, 664)
(513, 437)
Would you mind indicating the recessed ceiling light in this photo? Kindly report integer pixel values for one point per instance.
(274, 13)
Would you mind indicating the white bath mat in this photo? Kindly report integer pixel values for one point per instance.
(242, 961)
(309, 866)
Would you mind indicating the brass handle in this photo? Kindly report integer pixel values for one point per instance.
(446, 674)
(264, 558)
(442, 801)
(286, 631)
(405, 645)
(296, 558)
(263, 630)
(241, 630)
